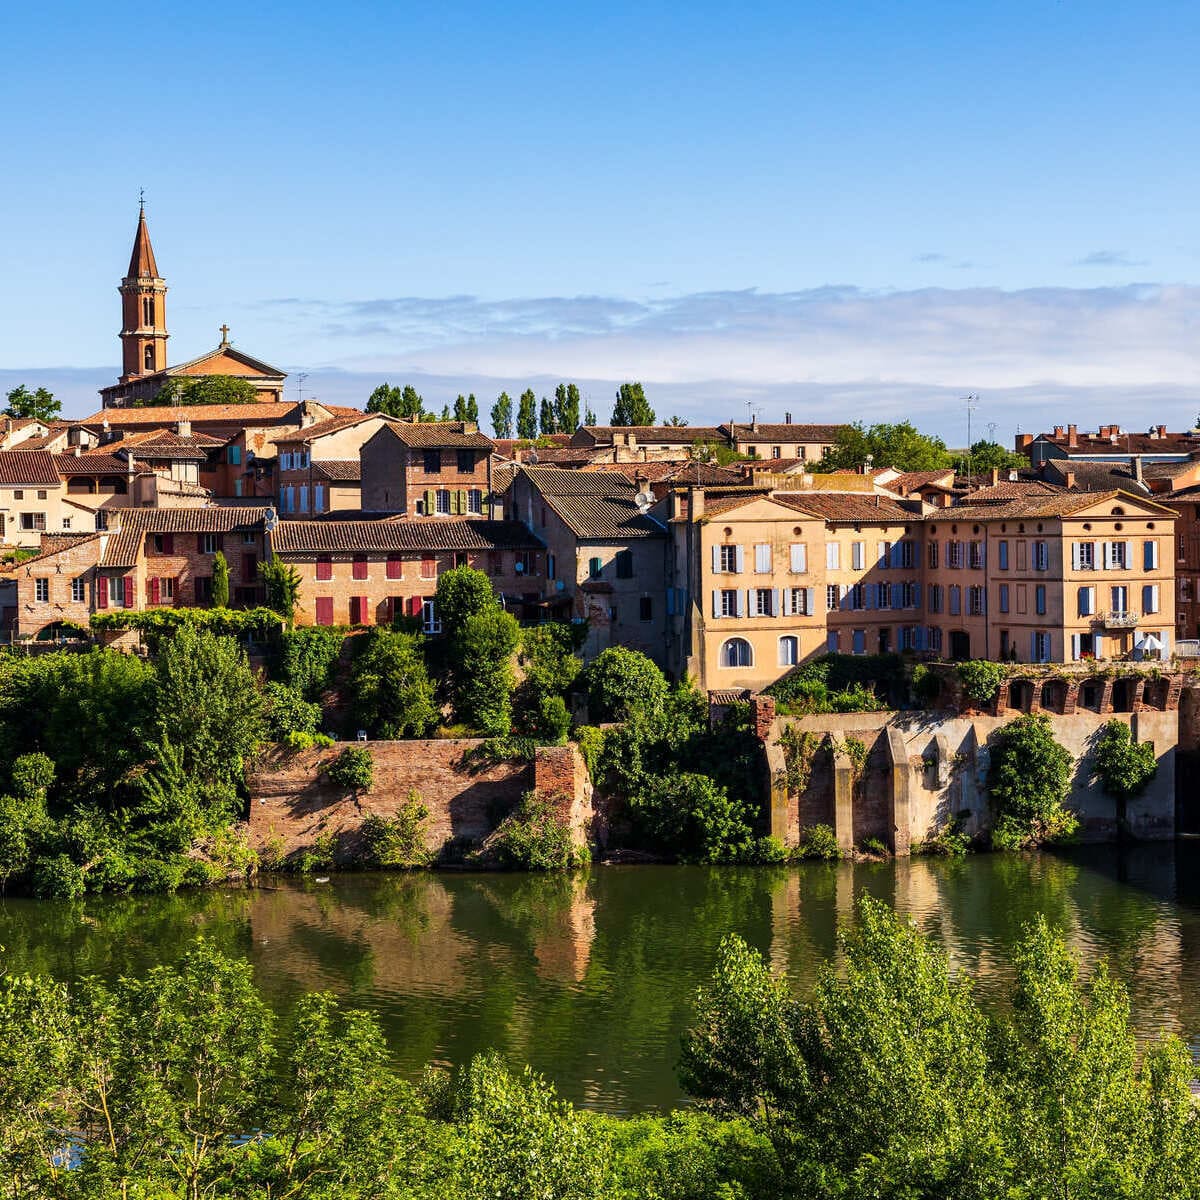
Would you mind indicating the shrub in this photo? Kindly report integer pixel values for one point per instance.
(57, 878)
(318, 856)
(1125, 767)
(306, 658)
(535, 838)
(32, 775)
(590, 740)
(819, 841)
(353, 769)
(691, 817)
(462, 593)
(873, 845)
(288, 712)
(391, 694)
(980, 680)
(481, 665)
(926, 685)
(1030, 780)
(397, 841)
(949, 842)
(765, 851)
(622, 682)
(308, 741)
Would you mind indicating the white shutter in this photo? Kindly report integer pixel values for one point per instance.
(762, 558)
(810, 597)
(799, 558)
(716, 602)
(1164, 636)
(743, 602)
(881, 557)
(1129, 556)
(1098, 647)
(775, 602)
(741, 559)
(1154, 597)
(1095, 556)
(716, 560)
(1108, 556)
(1074, 647)
(1074, 556)
(1154, 555)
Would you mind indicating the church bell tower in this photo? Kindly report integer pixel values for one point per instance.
(143, 310)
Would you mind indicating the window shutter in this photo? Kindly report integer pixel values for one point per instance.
(430, 502)
(881, 555)
(101, 592)
(128, 591)
(799, 558)
(155, 590)
(168, 543)
(414, 606)
(716, 602)
(810, 600)
(1074, 556)
(1150, 556)
(716, 560)
(1098, 646)
(739, 554)
(1074, 647)
(1108, 556)
(1129, 556)
(743, 602)
(762, 558)
(897, 553)
(775, 602)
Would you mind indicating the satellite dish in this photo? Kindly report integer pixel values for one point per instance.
(519, 566)
(644, 501)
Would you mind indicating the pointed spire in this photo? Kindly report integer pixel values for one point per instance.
(141, 262)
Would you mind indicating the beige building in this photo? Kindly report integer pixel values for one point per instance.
(302, 455)
(787, 441)
(34, 500)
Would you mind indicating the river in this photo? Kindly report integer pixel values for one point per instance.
(590, 977)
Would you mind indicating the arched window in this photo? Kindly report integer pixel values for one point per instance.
(148, 357)
(789, 651)
(736, 652)
(148, 310)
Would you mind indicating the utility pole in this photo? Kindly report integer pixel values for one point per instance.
(972, 402)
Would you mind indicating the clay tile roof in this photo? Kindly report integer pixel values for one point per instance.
(311, 432)
(141, 261)
(727, 501)
(860, 508)
(55, 543)
(433, 435)
(784, 433)
(129, 526)
(198, 414)
(682, 435)
(338, 470)
(399, 534)
(28, 468)
(95, 462)
(1011, 489)
(672, 472)
(554, 481)
(911, 481)
(1059, 503)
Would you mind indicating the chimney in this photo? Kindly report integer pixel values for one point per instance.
(183, 428)
(1072, 435)
(787, 418)
(1162, 431)
(1137, 470)
(754, 421)
(78, 449)
(695, 503)
(1024, 441)
(1058, 431)
(1069, 479)
(995, 476)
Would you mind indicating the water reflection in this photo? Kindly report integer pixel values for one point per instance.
(590, 977)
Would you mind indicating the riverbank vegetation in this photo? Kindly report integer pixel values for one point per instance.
(887, 1080)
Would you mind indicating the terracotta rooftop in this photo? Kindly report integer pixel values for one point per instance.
(782, 433)
(435, 435)
(859, 508)
(95, 462)
(322, 428)
(246, 415)
(128, 527)
(681, 435)
(392, 534)
(338, 470)
(28, 468)
(1125, 443)
(1058, 503)
(594, 505)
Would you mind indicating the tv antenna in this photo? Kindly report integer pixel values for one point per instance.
(971, 400)
(991, 428)
(301, 376)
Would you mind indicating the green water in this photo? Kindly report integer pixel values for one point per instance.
(590, 978)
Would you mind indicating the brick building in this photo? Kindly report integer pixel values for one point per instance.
(304, 484)
(426, 469)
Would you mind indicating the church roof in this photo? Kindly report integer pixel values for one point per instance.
(227, 360)
(251, 416)
(141, 261)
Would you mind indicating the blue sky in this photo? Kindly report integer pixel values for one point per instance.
(856, 209)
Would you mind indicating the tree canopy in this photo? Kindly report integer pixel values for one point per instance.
(502, 416)
(527, 426)
(395, 401)
(566, 408)
(38, 405)
(898, 445)
(632, 407)
(202, 389)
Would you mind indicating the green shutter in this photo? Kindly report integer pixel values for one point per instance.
(430, 502)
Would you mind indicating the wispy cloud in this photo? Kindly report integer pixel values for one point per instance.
(1109, 258)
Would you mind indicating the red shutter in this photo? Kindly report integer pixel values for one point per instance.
(168, 545)
(324, 610)
(360, 566)
(395, 566)
(324, 566)
(128, 581)
(414, 606)
(155, 590)
(101, 592)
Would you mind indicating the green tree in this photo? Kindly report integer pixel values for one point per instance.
(566, 408)
(623, 681)
(306, 658)
(502, 416)
(39, 405)
(220, 581)
(897, 445)
(1030, 780)
(396, 402)
(466, 408)
(461, 593)
(208, 705)
(353, 769)
(181, 392)
(1123, 766)
(987, 455)
(589, 417)
(288, 712)
(282, 583)
(391, 695)
(481, 653)
(677, 422)
(546, 425)
(692, 817)
(632, 407)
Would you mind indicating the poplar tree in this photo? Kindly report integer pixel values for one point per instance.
(527, 415)
(632, 407)
(566, 407)
(220, 581)
(546, 417)
(502, 415)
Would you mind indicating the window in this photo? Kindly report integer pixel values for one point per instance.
(595, 568)
(475, 501)
(729, 600)
(976, 556)
(646, 608)
(360, 568)
(1002, 554)
(210, 543)
(442, 502)
(763, 602)
(41, 493)
(800, 602)
(304, 498)
(1083, 556)
(1115, 556)
(324, 566)
(18, 494)
(249, 538)
(1185, 588)
(885, 595)
(935, 597)
(833, 556)
(1041, 647)
(884, 556)
(856, 596)
(955, 600)
(933, 638)
(33, 520)
(954, 554)
(1087, 601)
(166, 589)
(1041, 556)
(857, 555)
(79, 589)
(466, 462)
(858, 641)
(1039, 598)
(762, 558)
(1150, 598)
(1004, 597)
(831, 597)
(975, 601)
(428, 566)
(1120, 599)
(728, 559)
(624, 564)
(776, 452)
(233, 455)
(908, 637)
(789, 651)
(908, 555)
(148, 310)
(41, 591)
(799, 558)
(66, 524)
(1150, 556)
(431, 462)
(736, 652)
(933, 556)
(429, 618)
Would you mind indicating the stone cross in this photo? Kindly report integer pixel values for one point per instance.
(224, 335)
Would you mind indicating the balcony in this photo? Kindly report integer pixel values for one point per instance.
(1118, 620)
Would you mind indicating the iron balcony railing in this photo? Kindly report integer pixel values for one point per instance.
(1119, 619)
